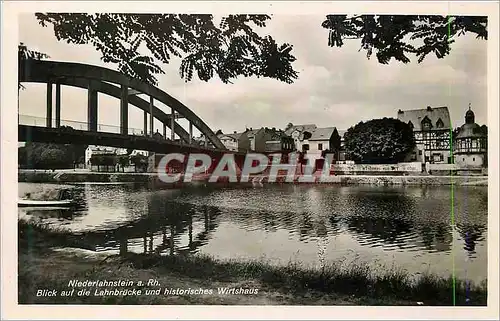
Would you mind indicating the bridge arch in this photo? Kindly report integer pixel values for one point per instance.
(99, 79)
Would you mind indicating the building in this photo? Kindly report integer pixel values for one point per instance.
(300, 134)
(230, 141)
(252, 140)
(276, 141)
(321, 140)
(93, 150)
(431, 129)
(470, 144)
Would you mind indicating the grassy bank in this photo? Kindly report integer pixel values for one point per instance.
(41, 266)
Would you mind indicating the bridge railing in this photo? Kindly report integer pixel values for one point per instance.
(42, 122)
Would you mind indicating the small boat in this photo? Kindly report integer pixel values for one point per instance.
(60, 202)
(36, 203)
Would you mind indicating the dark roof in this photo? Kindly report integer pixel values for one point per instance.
(470, 130)
(432, 113)
(301, 128)
(232, 136)
(322, 133)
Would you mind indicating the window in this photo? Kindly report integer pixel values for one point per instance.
(320, 146)
(473, 159)
(463, 159)
(305, 147)
(420, 153)
(439, 123)
(426, 123)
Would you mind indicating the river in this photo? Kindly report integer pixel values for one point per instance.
(404, 227)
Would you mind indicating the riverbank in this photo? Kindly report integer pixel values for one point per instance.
(65, 176)
(43, 264)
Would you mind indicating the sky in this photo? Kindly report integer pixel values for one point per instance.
(336, 87)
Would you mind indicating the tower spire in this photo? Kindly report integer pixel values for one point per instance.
(469, 105)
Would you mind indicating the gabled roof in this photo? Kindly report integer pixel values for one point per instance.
(322, 133)
(415, 116)
(251, 132)
(276, 134)
(230, 136)
(301, 128)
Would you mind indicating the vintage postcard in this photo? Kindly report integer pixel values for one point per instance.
(251, 160)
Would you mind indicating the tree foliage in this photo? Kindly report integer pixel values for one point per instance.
(385, 140)
(24, 53)
(50, 156)
(140, 162)
(397, 36)
(228, 49)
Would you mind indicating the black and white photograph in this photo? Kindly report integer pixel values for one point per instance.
(262, 159)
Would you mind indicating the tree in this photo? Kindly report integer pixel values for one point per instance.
(385, 140)
(396, 36)
(53, 159)
(124, 161)
(140, 162)
(23, 54)
(227, 51)
(219, 132)
(40, 155)
(232, 48)
(288, 126)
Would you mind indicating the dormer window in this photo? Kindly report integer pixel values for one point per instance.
(426, 123)
(439, 123)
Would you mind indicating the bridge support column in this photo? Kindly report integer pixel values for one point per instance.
(145, 123)
(58, 105)
(92, 108)
(49, 104)
(172, 124)
(165, 131)
(206, 140)
(190, 132)
(124, 111)
(151, 118)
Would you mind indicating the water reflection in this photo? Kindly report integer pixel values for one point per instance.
(314, 224)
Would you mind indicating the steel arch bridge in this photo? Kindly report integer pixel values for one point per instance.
(115, 84)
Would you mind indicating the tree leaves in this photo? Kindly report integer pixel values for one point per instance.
(228, 51)
(385, 140)
(397, 36)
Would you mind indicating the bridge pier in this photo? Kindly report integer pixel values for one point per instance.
(49, 104)
(145, 123)
(172, 124)
(164, 131)
(190, 132)
(124, 110)
(151, 118)
(92, 107)
(58, 105)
